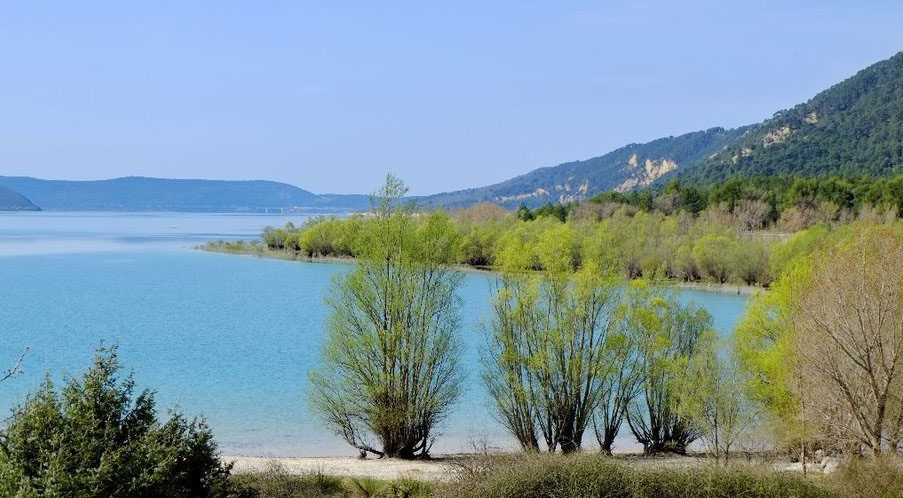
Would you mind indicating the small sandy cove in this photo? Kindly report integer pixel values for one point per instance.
(437, 469)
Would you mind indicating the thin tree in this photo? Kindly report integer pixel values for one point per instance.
(713, 396)
(546, 364)
(390, 370)
(622, 384)
(16, 368)
(668, 335)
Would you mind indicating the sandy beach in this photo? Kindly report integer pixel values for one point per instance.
(436, 469)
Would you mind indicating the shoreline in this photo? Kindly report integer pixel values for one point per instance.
(445, 467)
(261, 251)
(437, 469)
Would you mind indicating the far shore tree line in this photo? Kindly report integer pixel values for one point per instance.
(725, 233)
(574, 350)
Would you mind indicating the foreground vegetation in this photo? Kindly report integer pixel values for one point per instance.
(587, 475)
(97, 438)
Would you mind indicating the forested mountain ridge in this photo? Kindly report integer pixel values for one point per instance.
(854, 127)
(14, 201)
(159, 194)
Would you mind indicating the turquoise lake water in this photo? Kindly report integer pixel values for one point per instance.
(229, 337)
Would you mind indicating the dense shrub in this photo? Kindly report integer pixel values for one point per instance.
(96, 438)
(592, 475)
(868, 478)
(276, 482)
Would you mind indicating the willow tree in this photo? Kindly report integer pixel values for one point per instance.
(546, 363)
(668, 336)
(713, 396)
(390, 371)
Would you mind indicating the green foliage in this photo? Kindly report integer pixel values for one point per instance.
(524, 213)
(712, 394)
(547, 363)
(96, 438)
(847, 195)
(593, 475)
(367, 487)
(869, 478)
(763, 345)
(854, 127)
(712, 254)
(798, 245)
(668, 337)
(274, 481)
(721, 243)
(409, 488)
(390, 370)
(559, 211)
(826, 278)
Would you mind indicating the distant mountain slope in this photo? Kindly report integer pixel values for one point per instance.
(635, 165)
(14, 201)
(854, 127)
(157, 194)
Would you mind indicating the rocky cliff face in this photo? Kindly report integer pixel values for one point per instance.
(653, 170)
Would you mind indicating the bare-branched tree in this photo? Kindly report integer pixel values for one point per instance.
(16, 368)
(848, 325)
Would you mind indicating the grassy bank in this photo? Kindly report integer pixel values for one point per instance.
(594, 475)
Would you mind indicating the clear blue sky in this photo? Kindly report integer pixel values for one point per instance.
(330, 96)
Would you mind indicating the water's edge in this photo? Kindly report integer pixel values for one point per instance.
(266, 253)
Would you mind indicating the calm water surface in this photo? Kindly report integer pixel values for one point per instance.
(229, 337)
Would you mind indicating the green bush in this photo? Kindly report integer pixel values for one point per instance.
(95, 438)
(275, 482)
(870, 479)
(594, 475)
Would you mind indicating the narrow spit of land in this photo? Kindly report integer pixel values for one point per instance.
(261, 251)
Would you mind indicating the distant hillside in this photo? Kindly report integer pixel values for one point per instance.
(635, 165)
(854, 127)
(14, 201)
(156, 194)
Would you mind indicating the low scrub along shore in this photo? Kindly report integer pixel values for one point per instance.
(523, 475)
(260, 250)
